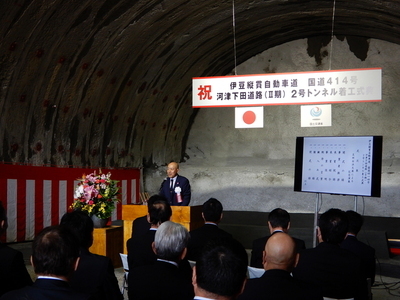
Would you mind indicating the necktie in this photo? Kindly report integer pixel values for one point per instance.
(171, 183)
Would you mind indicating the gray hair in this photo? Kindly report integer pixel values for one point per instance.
(170, 240)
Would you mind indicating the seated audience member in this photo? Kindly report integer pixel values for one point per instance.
(140, 251)
(102, 284)
(163, 279)
(334, 271)
(55, 256)
(362, 250)
(212, 215)
(220, 271)
(141, 225)
(13, 273)
(278, 221)
(279, 259)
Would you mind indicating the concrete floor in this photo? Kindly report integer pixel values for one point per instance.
(386, 286)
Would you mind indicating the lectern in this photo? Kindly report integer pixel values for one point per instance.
(189, 216)
(108, 242)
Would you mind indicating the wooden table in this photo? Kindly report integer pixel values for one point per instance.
(108, 241)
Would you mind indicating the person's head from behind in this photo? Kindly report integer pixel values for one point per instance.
(280, 252)
(220, 270)
(81, 224)
(3, 218)
(170, 241)
(154, 198)
(55, 252)
(279, 218)
(212, 210)
(356, 221)
(158, 212)
(332, 226)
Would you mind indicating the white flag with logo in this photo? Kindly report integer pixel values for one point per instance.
(316, 115)
(249, 117)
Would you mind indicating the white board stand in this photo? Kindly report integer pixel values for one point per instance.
(355, 203)
(316, 219)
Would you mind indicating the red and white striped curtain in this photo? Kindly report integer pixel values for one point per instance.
(37, 197)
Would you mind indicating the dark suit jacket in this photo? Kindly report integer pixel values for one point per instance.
(140, 226)
(366, 254)
(13, 273)
(161, 280)
(170, 194)
(259, 246)
(140, 251)
(200, 236)
(334, 271)
(103, 284)
(276, 285)
(46, 289)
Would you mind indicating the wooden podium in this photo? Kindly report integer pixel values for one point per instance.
(108, 242)
(189, 216)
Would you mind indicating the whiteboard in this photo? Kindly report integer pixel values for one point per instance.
(347, 165)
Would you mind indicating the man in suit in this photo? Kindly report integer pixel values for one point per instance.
(140, 251)
(220, 271)
(103, 284)
(212, 213)
(140, 225)
(278, 221)
(175, 188)
(365, 252)
(13, 273)
(334, 271)
(55, 256)
(279, 259)
(163, 279)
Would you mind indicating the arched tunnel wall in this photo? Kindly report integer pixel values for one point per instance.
(253, 169)
(108, 82)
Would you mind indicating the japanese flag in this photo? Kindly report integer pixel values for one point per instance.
(249, 117)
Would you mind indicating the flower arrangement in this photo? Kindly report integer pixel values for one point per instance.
(96, 195)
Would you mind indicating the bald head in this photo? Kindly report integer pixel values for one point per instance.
(172, 169)
(280, 252)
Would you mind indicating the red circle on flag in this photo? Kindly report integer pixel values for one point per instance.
(249, 117)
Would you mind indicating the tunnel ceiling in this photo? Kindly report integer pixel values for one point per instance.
(108, 82)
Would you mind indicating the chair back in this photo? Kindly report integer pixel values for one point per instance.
(124, 259)
(254, 272)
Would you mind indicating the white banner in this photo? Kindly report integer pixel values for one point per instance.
(339, 86)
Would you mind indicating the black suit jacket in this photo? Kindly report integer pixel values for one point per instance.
(160, 280)
(46, 289)
(366, 254)
(103, 284)
(334, 271)
(170, 194)
(276, 285)
(13, 273)
(259, 246)
(200, 236)
(140, 226)
(140, 251)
